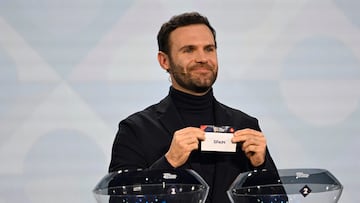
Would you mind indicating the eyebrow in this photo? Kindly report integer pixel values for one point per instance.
(210, 45)
(193, 46)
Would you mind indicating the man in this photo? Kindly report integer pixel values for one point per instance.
(167, 135)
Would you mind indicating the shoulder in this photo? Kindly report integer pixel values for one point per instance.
(149, 113)
(234, 112)
(236, 117)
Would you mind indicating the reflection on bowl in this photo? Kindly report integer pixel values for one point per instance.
(286, 185)
(151, 186)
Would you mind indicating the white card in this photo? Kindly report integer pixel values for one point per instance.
(218, 142)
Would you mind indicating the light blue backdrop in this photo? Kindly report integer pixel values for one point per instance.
(72, 69)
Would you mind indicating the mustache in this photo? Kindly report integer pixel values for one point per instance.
(207, 66)
(173, 70)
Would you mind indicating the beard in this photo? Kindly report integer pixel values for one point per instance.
(198, 83)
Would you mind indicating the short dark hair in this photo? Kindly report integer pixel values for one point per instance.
(180, 21)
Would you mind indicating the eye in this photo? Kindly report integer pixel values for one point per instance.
(188, 49)
(210, 48)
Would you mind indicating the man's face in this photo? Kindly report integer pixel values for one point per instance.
(193, 59)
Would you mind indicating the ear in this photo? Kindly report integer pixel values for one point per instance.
(163, 60)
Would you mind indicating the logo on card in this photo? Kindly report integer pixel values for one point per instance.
(217, 129)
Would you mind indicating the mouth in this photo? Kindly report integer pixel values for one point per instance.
(201, 69)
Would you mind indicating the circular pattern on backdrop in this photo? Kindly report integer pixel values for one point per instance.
(321, 81)
(228, 14)
(61, 166)
(63, 31)
(8, 87)
(237, 14)
(351, 10)
(60, 18)
(18, 98)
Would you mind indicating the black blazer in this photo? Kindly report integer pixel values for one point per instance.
(144, 137)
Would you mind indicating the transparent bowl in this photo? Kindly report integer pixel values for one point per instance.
(285, 185)
(151, 186)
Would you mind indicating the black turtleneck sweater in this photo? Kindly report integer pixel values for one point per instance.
(196, 111)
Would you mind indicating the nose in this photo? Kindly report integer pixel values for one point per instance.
(201, 57)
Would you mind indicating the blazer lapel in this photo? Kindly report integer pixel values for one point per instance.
(222, 115)
(170, 119)
(169, 116)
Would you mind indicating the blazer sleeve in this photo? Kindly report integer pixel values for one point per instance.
(268, 164)
(162, 163)
(126, 150)
(139, 144)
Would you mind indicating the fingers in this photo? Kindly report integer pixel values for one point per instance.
(192, 132)
(253, 145)
(183, 143)
(247, 134)
(188, 138)
(251, 140)
(186, 142)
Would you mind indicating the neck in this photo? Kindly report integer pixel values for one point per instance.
(186, 101)
(178, 88)
(194, 110)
